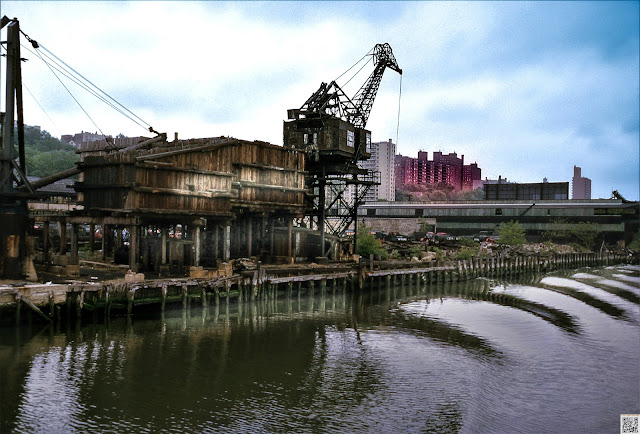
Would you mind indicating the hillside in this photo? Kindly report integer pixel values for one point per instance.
(46, 154)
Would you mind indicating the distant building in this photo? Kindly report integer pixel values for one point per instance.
(82, 137)
(580, 187)
(500, 180)
(444, 168)
(382, 161)
(529, 191)
(471, 174)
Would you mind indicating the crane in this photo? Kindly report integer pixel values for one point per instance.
(330, 129)
(331, 100)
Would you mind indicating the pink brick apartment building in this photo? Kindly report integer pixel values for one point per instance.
(443, 168)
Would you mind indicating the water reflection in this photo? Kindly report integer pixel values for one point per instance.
(485, 355)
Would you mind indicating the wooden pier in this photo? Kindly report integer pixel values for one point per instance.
(55, 302)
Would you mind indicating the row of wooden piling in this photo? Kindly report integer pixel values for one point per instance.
(491, 266)
(117, 297)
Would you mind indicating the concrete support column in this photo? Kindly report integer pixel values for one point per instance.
(163, 245)
(63, 236)
(133, 247)
(105, 241)
(264, 225)
(272, 241)
(74, 243)
(249, 236)
(118, 240)
(92, 236)
(289, 236)
(216, 241)
(196, 246)
(227, 242)
(45, 242)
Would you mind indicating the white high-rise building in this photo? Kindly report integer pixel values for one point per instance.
(382, 161)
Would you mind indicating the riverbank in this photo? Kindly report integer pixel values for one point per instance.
(54, 301)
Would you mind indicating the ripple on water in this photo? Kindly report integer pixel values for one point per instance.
(543, 369)
(596, 327)
(614, 304)
(474, 359)
(635, 280)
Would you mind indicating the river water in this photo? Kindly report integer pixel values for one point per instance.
(548, 353)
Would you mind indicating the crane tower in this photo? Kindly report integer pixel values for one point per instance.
(330, 128)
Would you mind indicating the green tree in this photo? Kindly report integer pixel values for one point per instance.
(585, 234)
(477, 194)
(46, 155)
(367, 244)
(559, 231)
(511, 233)
(635, 244)
(47, 163)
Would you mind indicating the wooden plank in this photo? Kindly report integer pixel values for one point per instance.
(186, 150)
(406, 271)
(310, 277)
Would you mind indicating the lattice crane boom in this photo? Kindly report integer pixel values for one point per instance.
(363, 100)
(331, 100)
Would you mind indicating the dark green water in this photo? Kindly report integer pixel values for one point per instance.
(553, 353)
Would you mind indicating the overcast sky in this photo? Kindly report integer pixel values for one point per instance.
(526, 90)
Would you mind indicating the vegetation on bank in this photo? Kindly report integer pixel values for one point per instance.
(635, 244)
(434, 192)
(45, 154)
(583, 235)
(511, 233)
(367, 244)
(509, 240)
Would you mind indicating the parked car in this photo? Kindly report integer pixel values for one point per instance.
(483, 235)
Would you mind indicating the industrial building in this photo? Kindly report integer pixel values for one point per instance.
(617, 219)
(527, 191)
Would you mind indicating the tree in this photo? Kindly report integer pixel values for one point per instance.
(44, 154)
(47, 163)
(585, 234)
(635, 244)
(559, 231)
(511, 233)
(477, 194)
(367, 244)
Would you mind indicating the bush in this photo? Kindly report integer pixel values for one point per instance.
(511, 233)
(367, 244)
(439, 253)
(416, 251)
(465, 253)
(635, 244)
(468, 242)
(559, 231)
(586, 234)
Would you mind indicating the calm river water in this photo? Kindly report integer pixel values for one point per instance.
(551, 353)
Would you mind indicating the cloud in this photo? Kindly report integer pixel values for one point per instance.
(526, 89)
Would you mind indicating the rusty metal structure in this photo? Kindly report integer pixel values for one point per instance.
(330, 128)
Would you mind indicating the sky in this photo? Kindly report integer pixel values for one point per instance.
(525, 89)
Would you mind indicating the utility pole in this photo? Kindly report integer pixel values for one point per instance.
(13, 205)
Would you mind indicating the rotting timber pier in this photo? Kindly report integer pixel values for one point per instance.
(188, 207)
(61, 302)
